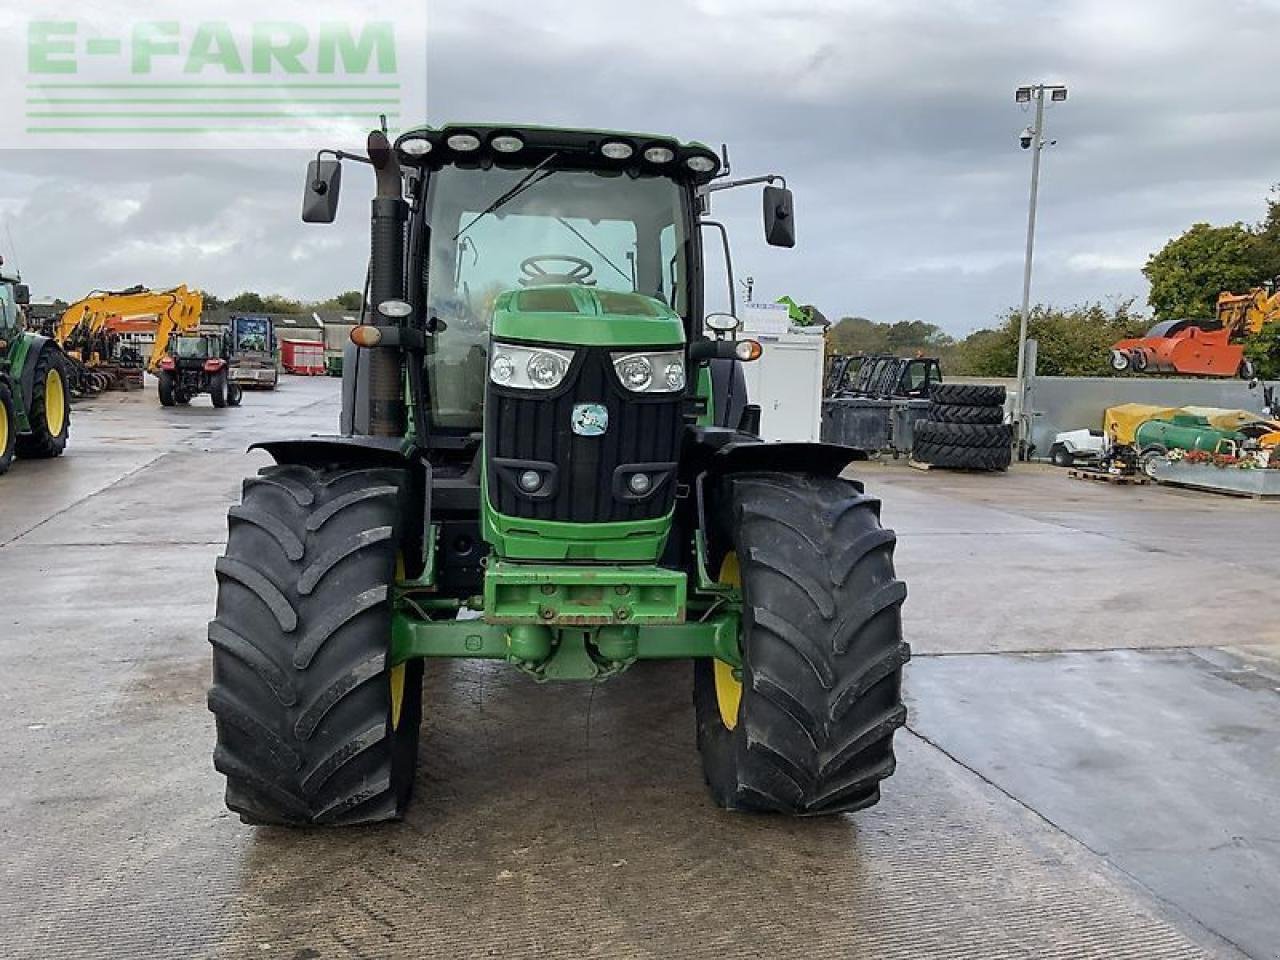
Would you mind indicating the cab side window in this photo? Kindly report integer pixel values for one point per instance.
(8, 309)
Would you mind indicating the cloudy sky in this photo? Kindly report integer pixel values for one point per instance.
(893, 121)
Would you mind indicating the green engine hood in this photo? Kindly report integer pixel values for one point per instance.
(575, 315)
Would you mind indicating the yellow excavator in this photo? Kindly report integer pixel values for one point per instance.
(105, 333)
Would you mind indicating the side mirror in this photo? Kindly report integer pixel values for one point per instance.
(320, 199)
(21, 294)
(779, 217)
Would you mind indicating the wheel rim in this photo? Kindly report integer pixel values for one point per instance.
(395, 677)
(4, 430)
(397, 694)
(55, 403)
(728, 687)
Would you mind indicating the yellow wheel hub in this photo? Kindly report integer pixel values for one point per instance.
(55, 403)
(728, 687)
(397, 694)
(4, 430)
(396, 676)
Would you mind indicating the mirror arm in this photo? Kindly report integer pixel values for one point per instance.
(730, 184)
(343, 155)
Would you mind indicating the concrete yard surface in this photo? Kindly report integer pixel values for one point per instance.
(1090, 767)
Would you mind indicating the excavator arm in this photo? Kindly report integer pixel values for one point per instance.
(135, 310)
(1244, 314)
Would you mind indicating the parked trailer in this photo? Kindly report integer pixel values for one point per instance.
(302, 357)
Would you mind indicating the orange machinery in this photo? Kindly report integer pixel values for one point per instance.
(1202, 348)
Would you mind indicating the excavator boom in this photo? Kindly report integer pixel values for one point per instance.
(135, 310)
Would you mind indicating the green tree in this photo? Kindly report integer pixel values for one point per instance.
(250, 302)
(350, 300)
(1268, 234)
(860, 335)
(1075, 342)
(246, 302)
(1189, 272)
(1263, 350)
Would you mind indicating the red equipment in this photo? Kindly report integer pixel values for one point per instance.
(302, 357)
(1208, 348)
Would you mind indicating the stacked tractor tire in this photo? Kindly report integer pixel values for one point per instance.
(964, 428)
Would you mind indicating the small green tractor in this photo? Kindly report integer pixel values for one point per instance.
(546, 457)
(35, 412)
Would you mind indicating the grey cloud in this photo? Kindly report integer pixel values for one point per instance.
(893, 121)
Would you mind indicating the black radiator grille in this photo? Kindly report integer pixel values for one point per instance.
(522, 426)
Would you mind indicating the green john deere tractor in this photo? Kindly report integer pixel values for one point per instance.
(34, 410)
(546, 457)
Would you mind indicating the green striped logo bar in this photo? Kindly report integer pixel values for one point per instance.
(224, 79)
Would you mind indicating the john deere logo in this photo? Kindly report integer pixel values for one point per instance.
(590, 419)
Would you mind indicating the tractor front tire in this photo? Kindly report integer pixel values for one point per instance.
(808, 728)
(49, 416)
(314, 723)
(8, 427)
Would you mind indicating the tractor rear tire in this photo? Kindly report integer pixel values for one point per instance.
(967, 394)
(49, 416)
(982, 435)
(314, 724)
(8, 427)
(164, 386)
(218, 389)
(822, 650)
(964, 413)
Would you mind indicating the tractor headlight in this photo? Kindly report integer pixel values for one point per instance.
(528, 368)
(546, 370)
(651, 372)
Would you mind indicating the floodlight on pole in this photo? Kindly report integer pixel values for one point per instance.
(1035, 134)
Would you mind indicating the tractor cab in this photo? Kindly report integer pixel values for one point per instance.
(190, 351)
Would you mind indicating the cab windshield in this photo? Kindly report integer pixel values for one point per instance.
(497, 230)
(190, 348)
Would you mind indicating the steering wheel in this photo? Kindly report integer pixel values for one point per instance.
(579, 271)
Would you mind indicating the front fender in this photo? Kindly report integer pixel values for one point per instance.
(721, 451)
(321, 450)
(36, 345)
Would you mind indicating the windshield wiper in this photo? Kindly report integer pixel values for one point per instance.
(523, 184)
(603, 256)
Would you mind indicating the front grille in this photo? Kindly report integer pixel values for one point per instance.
(536, 428)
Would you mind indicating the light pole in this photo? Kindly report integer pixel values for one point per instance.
(1032, 139)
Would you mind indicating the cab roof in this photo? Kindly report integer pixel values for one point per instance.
(524, 145)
